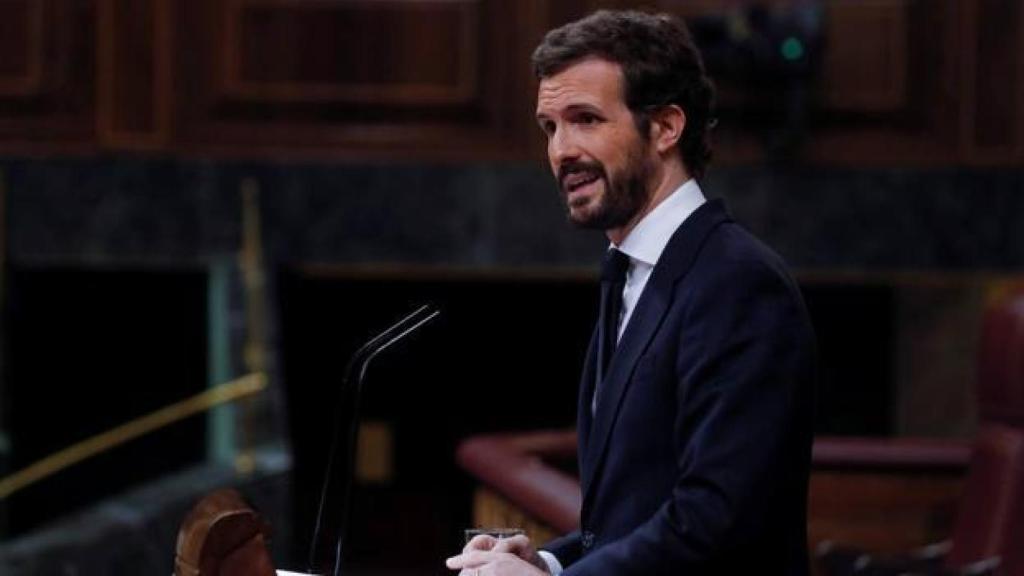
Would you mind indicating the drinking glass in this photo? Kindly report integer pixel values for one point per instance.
(497, 532)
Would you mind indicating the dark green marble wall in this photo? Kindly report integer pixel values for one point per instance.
(120, 210)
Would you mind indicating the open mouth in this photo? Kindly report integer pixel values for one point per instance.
(577, 180)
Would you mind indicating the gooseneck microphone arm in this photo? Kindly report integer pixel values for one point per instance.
(336, 493)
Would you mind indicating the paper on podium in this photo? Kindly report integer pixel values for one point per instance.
(287, 573)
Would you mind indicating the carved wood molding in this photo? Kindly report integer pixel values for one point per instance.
(47, 80)
(992, 81)
(902, 82)
(865, 58)
(24, 24)
(418, 20)
(134, 69)
(359, 78)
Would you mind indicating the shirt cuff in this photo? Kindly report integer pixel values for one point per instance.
(554, 566)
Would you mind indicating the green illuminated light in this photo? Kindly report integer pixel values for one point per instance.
(792, 49)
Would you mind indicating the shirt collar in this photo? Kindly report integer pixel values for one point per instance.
(646, 241)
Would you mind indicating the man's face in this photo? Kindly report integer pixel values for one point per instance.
(601, 162)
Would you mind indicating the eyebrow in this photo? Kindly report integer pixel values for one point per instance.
(573, 108)
(583, 108)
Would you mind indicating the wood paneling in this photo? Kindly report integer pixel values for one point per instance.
(880, 90)
(896, 104)
(358, 78)
(865, 57)
(881, 512)
(21, 40)
(363, 53)
(134, 71)
(993, 74)
(898, 82)
(47, 72)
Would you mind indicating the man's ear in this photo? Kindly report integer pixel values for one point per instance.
(667, 124)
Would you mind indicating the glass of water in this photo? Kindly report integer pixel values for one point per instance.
(496, 532)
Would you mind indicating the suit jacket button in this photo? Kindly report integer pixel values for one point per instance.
(588, 540)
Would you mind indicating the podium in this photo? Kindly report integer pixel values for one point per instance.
(224, 536)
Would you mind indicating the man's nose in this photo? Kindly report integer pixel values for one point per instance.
(562, 147)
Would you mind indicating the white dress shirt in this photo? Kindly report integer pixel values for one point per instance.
(644, 245)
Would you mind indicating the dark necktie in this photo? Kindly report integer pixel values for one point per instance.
(613, 280)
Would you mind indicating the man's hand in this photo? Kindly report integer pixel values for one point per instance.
(481, 563)
(488, 556)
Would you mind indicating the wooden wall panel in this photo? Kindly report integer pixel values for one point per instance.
(865, 57)
(885, 512)
(406, 54)
(993, 73)
(889, 94)
(47, 73)
(359, 78)
(21, 40)
(900, 82)
(874, 98)
(134, 73)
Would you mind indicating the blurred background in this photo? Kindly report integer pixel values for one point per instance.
(196, 190)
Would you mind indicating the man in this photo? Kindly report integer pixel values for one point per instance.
(695, 404)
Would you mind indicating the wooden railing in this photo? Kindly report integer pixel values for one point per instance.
(881, 494)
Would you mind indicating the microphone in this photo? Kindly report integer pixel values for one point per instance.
(324, 560)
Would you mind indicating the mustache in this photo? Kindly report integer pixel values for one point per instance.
(569, 168)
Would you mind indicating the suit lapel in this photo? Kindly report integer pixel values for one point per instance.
(648, 315)
(584, 418)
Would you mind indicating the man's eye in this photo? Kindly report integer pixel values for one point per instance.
(587, 119)
(548, 128)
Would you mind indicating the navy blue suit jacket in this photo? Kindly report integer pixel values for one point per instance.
(697, 459)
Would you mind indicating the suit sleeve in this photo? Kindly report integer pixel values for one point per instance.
(566, 548)
(743, 374)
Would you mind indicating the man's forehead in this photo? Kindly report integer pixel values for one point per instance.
(591, 80)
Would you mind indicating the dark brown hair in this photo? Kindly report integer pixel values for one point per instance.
(660, 66)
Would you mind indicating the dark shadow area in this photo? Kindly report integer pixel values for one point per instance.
(89, 350)
(504, 356)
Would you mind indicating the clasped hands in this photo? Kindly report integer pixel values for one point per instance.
(486, 555)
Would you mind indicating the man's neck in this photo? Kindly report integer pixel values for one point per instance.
(666, 182)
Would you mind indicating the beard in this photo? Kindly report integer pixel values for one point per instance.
(625, 191)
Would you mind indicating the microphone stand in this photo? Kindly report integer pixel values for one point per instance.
(344, 447)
